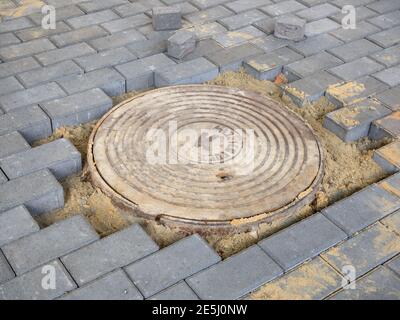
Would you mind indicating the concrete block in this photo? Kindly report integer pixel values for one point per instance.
(362, 14)
(180, 291)
(318, 12)
(321, 26)
(126, 23)
(40, 192)
(390, 76)
(118, 39)
(92, 19)
(386, 127)
(363, 30)
(15, 224)
(181, 44)
(130, 9)
(384, 6)
(114, 286)
(388, 157)
(269, 43)
(6, 273)
(203, 48)
(15, 24)
(388, 57)
(66, 53)
(242, 19)
(39, 32)
(386, 21)
(78, 108)
(25, 49)
(78, 35)
(355, 50)
(49, 243)
(391, 98)
(146, 48)
(394, 265)
(7, 39)
(17, 66)
(244, 5)
(237, 37)
(110, 253)
(167, 18)
(9, 85)
(209, 15)
(98, 5)
(3, 178)
(236, 276)
(63, 13)
(171, 264)
(290, 27)
(266, 25)
(204, 4)
(282, 8)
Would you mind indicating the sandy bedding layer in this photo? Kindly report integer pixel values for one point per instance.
(348, 168)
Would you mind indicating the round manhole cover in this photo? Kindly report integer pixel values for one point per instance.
(205, 156)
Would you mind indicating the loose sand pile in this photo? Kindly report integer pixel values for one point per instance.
(348, 168)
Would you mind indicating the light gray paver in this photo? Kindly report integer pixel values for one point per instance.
(203, 47)
(321, 26)
(126, 23)
(242, 20)
(354, 50)
(393, 221)
(15, 24)
(78, 35)
(98, 5)
(180, 291)
(7, 39)
(244, 5)
(386, 38)
(181, 44)
(25, 49)
(9, 85)
(316, 44)
(118, 39)
(356, 69)
(390, 76)
(3, 177)
(237, 37)
(388, 57)
(390, 98)
(348, 35)
(290, 27)
(65, 53)
(17, 66)
(39, 32)
(283, 7)
(208, 15)
(62, 14)
(130, 9)
(6, 272)
(49, 243)
(384, 5)
(387, 20)
(394, 265)
(204, 4)
(145, 48)
(92, 19)
(388, 126)
(318, 11)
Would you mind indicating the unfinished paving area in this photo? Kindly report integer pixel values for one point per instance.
(100, 49)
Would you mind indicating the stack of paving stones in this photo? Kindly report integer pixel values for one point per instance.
(103, 48)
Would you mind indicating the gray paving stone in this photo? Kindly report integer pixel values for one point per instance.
(388, 57)
(3, 178)
(269, 43)
(186, 7)
(208, 15)
(283, 7)
(114, 286)
(145, 48)
(31, 122)
(348, 35)
(362, 13)
(126, 23)
(62, 14)
(386, 127)
(25, 49)
(362, 209)
(49, 243)
(266, 25)
(356, 69)
(386, 21)
(181, 44)
(130, 9)
(15, 24)
(62, 3)
(118, 39)
(310, 65)
(355, 3)
(365, 251)
(92, 19)
(139, 74)
(66, 53)
(9, 85)
(39, 32)
(244, 5)
(236, 276)
(29, 285)
(318, 27)
(386, 38)
(390, 76)
(180, 291)
(383, 6)
(294, 245)
(110, 253)
(97, 5)
(269, 65)
(393, 221)
(380, 284)
(194, 71)
(387, 157)
(40, 192)
(171, 264)
(391, 184)
(207, 31)
(107, 79)
(394, 265)
(15, 224)
(78, 108)
(390, 98)
(242, 20)
(34, 95)
(204, 4)
(203, 47)
(17, 66)
(235, 38)
(50, 73)
(59, 156)
(8, 38)
(231, 59)
(6, 272)
(167, 18)
(289, 27)
(78, 35)
(318, 12)
(150, 34)
(354, 50)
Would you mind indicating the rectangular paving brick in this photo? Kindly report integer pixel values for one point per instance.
(17, 66)
(3, 178)
(362, 13)
(203, 48)
(386, 38)
(8, 39)
(388, 57)
(78, 35)
(139, 74)
(386, 127)
(235, 38)
(244, 5)
(40, 192)
(318, 12)
(50, 73)
(66, 53)
(62, 14)
(180, 291)
(321, 26)
(266, 25)
(354, 50)
(394, 265)
(316, 44)
(363, 30)
(29, 285)
(39, 32)
(387, 20)
(145, 48)
(6, 273)
(208, 15)
(92, 19)
(112, 252)
(9, 85)
(242, 20)
(25, 49)
(130, 9)
(166, 18)
(362, 209)
(383, 6)
(355, 3)
(114, 286)
(77, 108)
(390, 76)
(283, 7)
(365, 251)
(269, 43)
(231, 59)
(293, 245)
(207, 31)
(126, 23)
(34, 95)
(204, 4)
(356, 69)
(107, 79)
(59, 156)
(390, 98)
(236, 276)
(194, 71)
(118, 39)
(171, 264)
(15, 224)
(15, 24)
(49, 243)
(93, 6)
(388, 157)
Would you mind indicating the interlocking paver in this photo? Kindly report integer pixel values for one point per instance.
(171, 264)
(362, 13)
(386, 21)
(145, 48)
(14, 67)
(386, 38)
(49, 243)
(78, 35)
(15, 24)
(383, 6)
(356, 69)
(7, 39)
(203, 48)
(316, 44)
(283, 7)
(3, 177)
(390, 98)
(118, 39)
(318, 27)
(391, 184)
(180, 291)
(242, 20)
(6, 273)
(126, 23)
(393, 222)
(98, 5)
(290, 27)
(318, 12)
(62, 14)
(208, 15)
(204, 4)
(29, 285)
(92, 19)
(244, 5)
(207, 30)
(236, 276)
(348, 35)
(356, 3)
(112, 252)
(237, 37)
(394, 265)
(181, 44)
(388, 126)
(388, 157)
(130, 9)
(65, 53)
(266, 25)
(388, 57)
(167, 18)
(39, 32)
(9, 85)
(15, 224)
(354, 50)
(25, 49)
(390, 76)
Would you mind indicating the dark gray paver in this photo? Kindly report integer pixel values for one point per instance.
(31, 122)
(46, 74)
(167, 18)
(283, 7)
(194, 71)
(17, 66)
(388, 126)
(208, 15)
(236, 276)
(171, 264)
(356, 69)
(390, 76)
(78, 35)
(244, 5)
(59, 156)
(387, 20)
(354, 50)
(348, 35)
(126, 23)
(317, 12)
(179, 291)
(362, 13)
(362, 209)
(390, 98)
(302, 241)
(145, 48)
(316, 44)
(92, 19)
(139, 74)
(388, 57)
(6, 273)
(207, 31)
(321, 26)
(113, 286)
(107, 79)
(77, 108)
(29, 285)
(39, 32)
(9, 85)
(49, 243)
(65, 53)
(386, 38)
(237, 37)
(394, 265)
(181, 44)
(242, 20)
(15, 224)
(387, 157)
(25, 49)
(112, 252)
(380, 284)
(391, 184)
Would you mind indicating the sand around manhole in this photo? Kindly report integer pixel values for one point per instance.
(348, 168)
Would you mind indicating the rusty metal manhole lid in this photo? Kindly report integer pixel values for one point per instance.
(205, 155)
